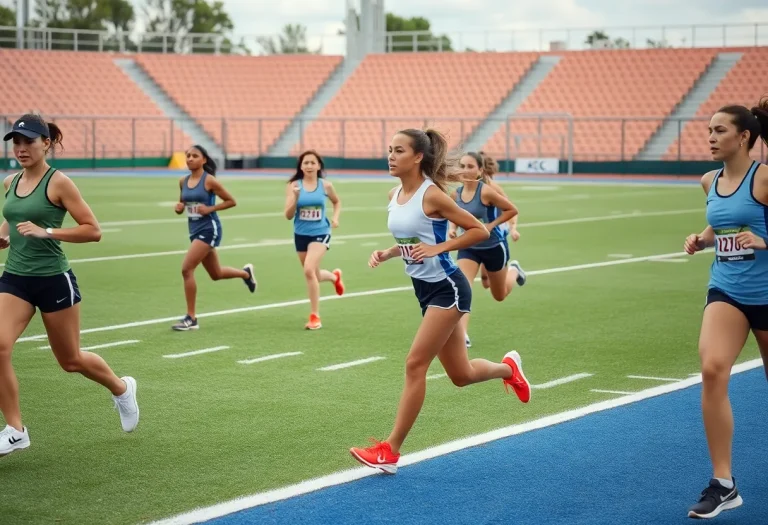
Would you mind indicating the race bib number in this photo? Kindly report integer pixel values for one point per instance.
(728, 249)
(406, 245)
(310, 213)
(192, 210)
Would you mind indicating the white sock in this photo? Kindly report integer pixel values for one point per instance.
(727, 483)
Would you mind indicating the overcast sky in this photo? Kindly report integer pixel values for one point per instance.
(498, 17)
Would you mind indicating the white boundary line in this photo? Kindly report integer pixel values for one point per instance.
(561, 381)
(652, 378)
(619, 392)
(358, 362)
(268, 358)
(197, 352)
(99, 347)
(286, 242)
(346, 476)
(354, 294)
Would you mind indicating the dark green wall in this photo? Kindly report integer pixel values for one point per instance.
(84, 164)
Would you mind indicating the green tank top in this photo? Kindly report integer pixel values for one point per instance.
(30, 256)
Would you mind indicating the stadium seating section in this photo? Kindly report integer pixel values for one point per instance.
(619, 99)
(82, 85)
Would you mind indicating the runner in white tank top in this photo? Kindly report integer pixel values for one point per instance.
(419, 211)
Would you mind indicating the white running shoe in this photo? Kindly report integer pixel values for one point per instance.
(127, 405)
(12, 440)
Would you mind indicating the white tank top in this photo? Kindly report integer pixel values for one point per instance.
(410, 226)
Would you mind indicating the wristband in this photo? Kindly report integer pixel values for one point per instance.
(49, 231)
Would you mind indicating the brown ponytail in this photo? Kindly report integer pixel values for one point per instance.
(56, 135)
(437, 163)
(761, 114)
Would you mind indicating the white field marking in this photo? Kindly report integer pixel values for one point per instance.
(197, 352)
(366, 293)
(673, 261)
(697, 374)
(286, 242)
(111, 230)
(652, 378)
(620, 255)
(619, 392)
(351, 363)
(268, 358)
(99, 347)
(263, 215)
(561, 381)
(539, 188)
(436, 376)
(345, 476)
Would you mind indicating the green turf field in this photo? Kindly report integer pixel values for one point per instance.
(212, 429)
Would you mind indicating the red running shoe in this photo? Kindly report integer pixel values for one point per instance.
(378, 456)
(339, 284)
(518, 382)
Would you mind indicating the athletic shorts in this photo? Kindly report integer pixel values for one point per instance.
(757, 315)
(209, 236)
(452, 291)
(302, 242)
(494, 259)
(49, 294)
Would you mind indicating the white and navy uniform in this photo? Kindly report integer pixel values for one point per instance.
(206, 228)
(437, 281)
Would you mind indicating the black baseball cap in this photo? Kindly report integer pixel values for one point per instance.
(29, 128)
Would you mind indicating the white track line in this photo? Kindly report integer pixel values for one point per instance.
(289, 242)
(99, 347)
(436, 376)
(346, 476)
(268, 358)
(297, 302)
(341, 366)
(196, 352)
(619, 392)
(561, 381)
(673, 261)
(652, 378)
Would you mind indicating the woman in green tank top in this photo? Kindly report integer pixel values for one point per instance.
(37, 275)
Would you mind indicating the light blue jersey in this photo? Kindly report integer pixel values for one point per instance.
(741, 273)
(310, 218)
(192, 198)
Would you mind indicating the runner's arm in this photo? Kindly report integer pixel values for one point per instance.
(227, 200)
(66, 192)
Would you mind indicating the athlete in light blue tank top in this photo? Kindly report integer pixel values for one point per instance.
(737, 296)
(310, 218)
(305, 198)
(739, 272)
(197, 197)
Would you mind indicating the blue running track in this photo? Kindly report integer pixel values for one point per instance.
(643, 463)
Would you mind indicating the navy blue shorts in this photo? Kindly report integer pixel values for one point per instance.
(49, 294)
(302, 242)
(494, 259)
(452, 291)
(757, 315)
(210, 236)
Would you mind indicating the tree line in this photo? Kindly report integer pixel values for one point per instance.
(180, 18)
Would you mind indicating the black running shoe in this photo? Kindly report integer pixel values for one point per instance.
(715, 499)
(186, 324)
(250, 282)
